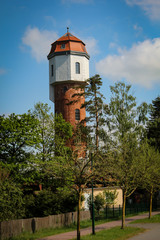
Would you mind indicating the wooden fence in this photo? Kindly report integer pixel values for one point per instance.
(14, 228)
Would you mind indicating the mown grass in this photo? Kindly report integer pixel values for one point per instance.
(154, 219)
(115, 233)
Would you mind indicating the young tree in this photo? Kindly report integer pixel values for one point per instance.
(54, 132)
(94, 106)
(99, 202)
(150, 157)
(74, 171)
(45, 129)
(110, 197)
(124, 130)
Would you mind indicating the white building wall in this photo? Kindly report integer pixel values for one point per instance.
(84, 68)
(64, 70)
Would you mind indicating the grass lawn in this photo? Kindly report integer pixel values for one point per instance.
(154, 219)
(115, 233)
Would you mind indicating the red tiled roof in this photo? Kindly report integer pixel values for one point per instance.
(68, 42)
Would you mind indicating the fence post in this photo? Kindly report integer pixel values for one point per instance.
(72, 218)
(106, 212)
(119, 210)
(113, 210)
(0, 231)
(33, 225)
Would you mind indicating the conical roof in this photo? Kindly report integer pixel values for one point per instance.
(68, 43)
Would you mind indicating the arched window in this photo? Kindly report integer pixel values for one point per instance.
(77, 68)
(65, 89)
(77, 114)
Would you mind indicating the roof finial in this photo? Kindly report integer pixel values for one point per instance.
(67, 29)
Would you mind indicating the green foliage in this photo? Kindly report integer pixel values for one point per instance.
(110, 197)
(94, 106)
(122, 162)
(54, 132)
(47, 202)
(150, 167)
(63, 132)
(18, 136)
(153, 126)
(11, 201)
(99, 202)
(45, 129)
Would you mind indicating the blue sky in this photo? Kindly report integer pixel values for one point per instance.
(121, 36)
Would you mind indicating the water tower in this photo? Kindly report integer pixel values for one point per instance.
(68, 70)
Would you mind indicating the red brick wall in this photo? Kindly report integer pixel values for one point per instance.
(63, 95)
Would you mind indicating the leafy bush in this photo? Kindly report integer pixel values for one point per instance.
(110, 197)
(11, 201)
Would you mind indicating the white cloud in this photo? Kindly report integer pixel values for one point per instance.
(151, 7)
(138, 65)
(138, 29)
(2, 71)
(39, 42)
(91, 45)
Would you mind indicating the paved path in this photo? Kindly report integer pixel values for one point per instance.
(86, 231)
(152, 233)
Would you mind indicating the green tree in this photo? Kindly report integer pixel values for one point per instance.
(125, 133)
(150, 158)
(153, 126)
(18, 138)
(99, 202)
(94, 106)
(11, 197)
(110, 197)
(74, 171)
(45, 129)
(54, 132)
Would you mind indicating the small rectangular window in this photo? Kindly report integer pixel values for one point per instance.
(52, 70)
(63, 46)
(77, 114)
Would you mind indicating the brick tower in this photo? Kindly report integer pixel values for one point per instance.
(68, 70)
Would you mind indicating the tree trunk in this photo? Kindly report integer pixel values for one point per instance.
(97, 122)
(123, 209)
(78, 214)
(150, 203)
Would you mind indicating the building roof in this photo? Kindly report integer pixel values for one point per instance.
(68, 43)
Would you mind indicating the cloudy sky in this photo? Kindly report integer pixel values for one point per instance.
(121, 36)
